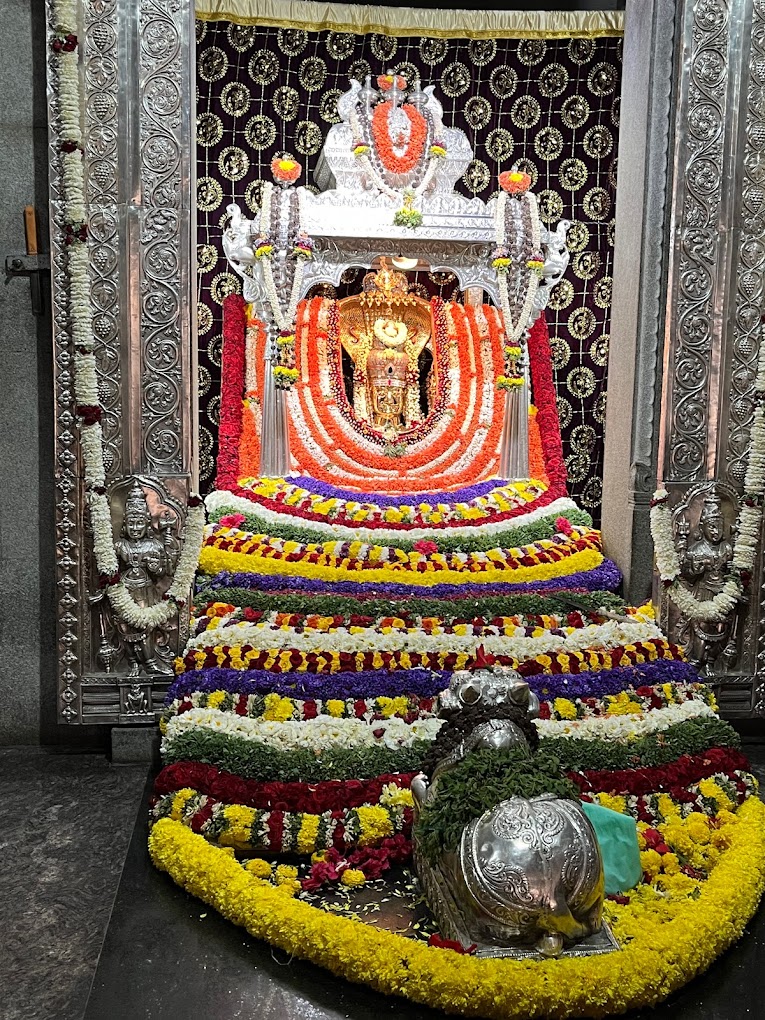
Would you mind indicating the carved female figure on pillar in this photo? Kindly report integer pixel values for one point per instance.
(146, 554)
(703, 562)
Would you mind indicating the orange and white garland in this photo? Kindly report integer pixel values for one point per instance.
(88, 409)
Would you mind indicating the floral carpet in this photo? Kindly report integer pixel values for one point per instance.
(326, 624)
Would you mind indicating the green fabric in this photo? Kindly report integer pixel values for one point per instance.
(617, 836)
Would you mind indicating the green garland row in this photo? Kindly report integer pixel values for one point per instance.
(252, 760)
(467, 608)
(482, 541)
(480, 782)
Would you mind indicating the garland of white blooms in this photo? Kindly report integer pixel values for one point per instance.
(747, 528)
(265, 637)
(285, 320)
(320, 733)
(85, 375)
(514, 330)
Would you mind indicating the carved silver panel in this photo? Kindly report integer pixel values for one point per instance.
(137, 94)
(716, 288)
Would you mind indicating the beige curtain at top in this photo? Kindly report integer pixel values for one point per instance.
(406, 21)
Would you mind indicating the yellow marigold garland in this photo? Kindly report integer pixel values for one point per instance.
(672, 942)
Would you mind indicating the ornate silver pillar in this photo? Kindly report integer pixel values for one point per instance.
(714, 305)
(136, 58)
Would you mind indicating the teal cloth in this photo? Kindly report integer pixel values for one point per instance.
(617, 836)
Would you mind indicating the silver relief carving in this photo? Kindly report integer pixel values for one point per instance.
(704, 532)
(138, 157)
(699, 244)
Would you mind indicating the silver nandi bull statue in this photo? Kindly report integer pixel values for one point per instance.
(527, 875)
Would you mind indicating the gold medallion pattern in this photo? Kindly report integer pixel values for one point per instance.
(549, 107)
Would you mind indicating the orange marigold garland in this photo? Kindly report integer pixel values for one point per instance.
(415, 147)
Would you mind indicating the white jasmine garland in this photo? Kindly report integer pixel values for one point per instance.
(515, 330)
(312, 734)
(265, 637)
(74, 209)
(625, 728)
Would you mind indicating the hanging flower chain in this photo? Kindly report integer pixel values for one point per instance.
(373, 139)
(300, 251)
(502, 261)
(747, 527)
(88, 406)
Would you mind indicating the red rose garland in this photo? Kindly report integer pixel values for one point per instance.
(543, 388)
(232, 388)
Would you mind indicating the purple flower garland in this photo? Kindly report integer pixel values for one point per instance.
(407, 499)
(371, 683)
(606, 577)
(423, 682)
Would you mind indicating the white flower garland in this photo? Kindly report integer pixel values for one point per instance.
(624, 728)
(265, 637)
(285, 320)
(748, 527)
(515, 330)
(312, 734)
(328, 530)
(85, 376)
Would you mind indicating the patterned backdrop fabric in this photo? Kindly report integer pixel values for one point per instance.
(552, 107)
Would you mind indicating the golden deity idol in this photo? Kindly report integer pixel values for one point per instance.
(385, 331)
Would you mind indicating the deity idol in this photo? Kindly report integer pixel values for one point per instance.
(703, 560)
(146, 555)
(385, 330)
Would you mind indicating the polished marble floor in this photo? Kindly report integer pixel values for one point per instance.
(74, 821)
(65, 825)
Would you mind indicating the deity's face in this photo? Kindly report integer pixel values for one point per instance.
(136, 524)
(712, 527)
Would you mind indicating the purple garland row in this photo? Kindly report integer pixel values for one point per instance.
(408, 499)
(372, 683)
(606, 577)
(423, 682)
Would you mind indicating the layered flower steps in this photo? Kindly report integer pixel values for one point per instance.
(326, 624)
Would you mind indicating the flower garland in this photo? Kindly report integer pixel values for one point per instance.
(232, 373)
(501, 263)
(252, 760)
(538, 525)
(291, 660)
(247, 828)
(625, 728)
(705, 797)
(510, 641)
(301, 251)
(747, 529)
(628, 701)
(373, 136)
(282, 709)
(677, 943)
(88, 407)
(310, 798)
(314, 735)
(361, 865)
(417, 682)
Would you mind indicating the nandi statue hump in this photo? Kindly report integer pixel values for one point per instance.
(524, 876)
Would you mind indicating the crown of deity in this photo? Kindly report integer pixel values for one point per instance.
(136, 501)
(711, 507)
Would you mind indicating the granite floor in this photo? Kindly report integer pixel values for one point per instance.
(66, 832)
(65, 825)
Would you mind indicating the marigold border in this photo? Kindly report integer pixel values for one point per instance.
(652, 966)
